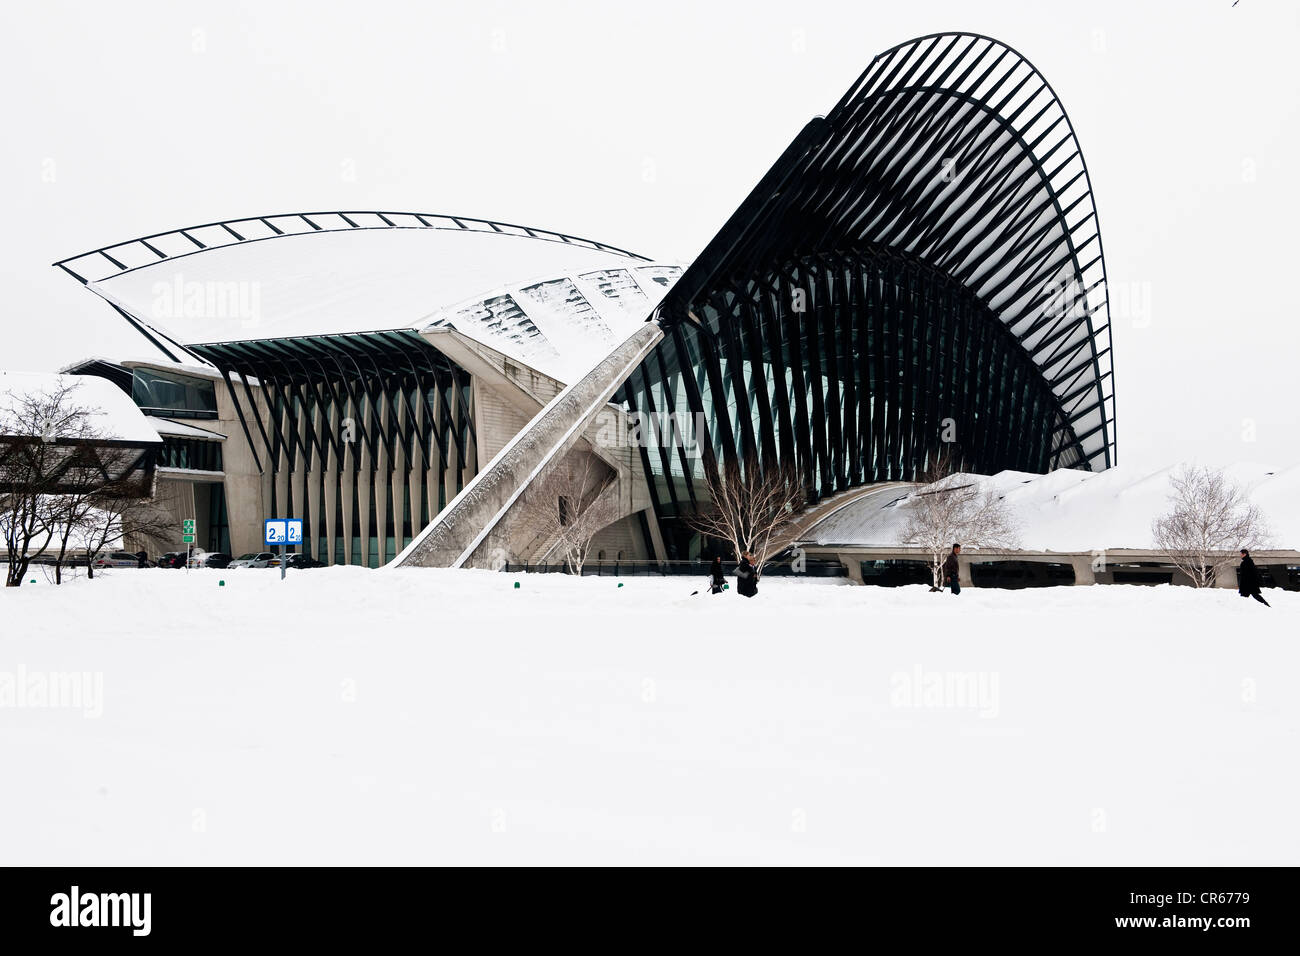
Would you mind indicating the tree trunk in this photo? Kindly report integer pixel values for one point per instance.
(58, 562)
(17, 571)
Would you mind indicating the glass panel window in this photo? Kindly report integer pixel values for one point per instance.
(166, 393)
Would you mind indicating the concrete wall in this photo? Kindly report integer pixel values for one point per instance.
(1089, 567)
(485, 523)
(621, 541)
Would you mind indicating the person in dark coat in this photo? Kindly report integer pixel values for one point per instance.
(1248, 579)
(716, 581)
(951, 571)
(746, 576)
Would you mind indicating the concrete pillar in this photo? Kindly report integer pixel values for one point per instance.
(298, 479)
(347, 482)
(401, 473)
(382, 468)
(1226, 577)
(854, 566)
(1083, 570)
(656, 536)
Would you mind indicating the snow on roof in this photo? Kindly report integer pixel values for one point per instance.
(562, 326)
(88, 360)
(1070, 510)
(179, 368)
(329, 282)
(112, 412)
(166, 426)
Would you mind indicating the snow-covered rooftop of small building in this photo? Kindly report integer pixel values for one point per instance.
(111, 412)
(1071, 510)
(331, 282)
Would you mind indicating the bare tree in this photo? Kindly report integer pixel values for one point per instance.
(77, 510)
(570, 506)
(1209, 521)
(753, 508)
(955, 509)
(116, 513)
(42, 447)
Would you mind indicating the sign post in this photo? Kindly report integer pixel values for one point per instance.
(187, 536)
(283, 532)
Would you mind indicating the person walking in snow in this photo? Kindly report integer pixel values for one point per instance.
(716, 581)
(951, 571)
(746, 576)
(1248, 579)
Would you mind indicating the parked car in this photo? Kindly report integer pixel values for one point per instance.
(260, 560)
(215, 559)
(172, 559)
(296, 560)
(116, 559)
(197, 556)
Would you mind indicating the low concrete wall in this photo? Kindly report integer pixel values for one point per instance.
(1090, 567)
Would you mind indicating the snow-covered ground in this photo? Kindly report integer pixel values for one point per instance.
(412, 716)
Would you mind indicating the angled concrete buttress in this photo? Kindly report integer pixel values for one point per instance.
(475, 527)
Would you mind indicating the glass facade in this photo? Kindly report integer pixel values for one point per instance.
(218, 519)
(194, 453)
(169, 394)
(852, 369)
(353, 434)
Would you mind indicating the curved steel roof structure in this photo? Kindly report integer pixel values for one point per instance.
(951, 149)
(111, 260)
(320, 273)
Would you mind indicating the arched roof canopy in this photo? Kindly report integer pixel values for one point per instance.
(953, 149)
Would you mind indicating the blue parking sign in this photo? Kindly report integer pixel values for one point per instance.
(283, 531)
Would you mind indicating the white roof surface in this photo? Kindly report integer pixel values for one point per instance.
(113, 412)
(1070, 510)
(563, 325)
(332, 282)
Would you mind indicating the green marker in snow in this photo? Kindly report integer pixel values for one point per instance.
(516, 584)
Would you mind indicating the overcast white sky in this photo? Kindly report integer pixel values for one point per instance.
(644, 126)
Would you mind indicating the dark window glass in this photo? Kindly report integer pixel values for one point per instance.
(165, 393)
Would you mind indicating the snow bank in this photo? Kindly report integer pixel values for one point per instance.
(1072, 510)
